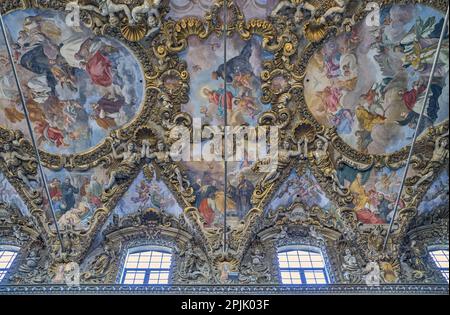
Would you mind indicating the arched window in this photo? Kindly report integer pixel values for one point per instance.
(440, 258)
(147, 266)
(301, 266)
(7, 256)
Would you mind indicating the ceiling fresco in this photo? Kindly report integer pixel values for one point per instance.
(378, 114)
(107, 97)
(78, 87)
(144, 194)
(436, 196)
(9, 197)
(76, 195)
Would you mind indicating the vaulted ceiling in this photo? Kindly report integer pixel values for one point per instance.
(106, 97)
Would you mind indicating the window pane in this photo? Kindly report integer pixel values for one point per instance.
(283, 264)
(440, 258)
(6, 260)
(149, 267)
(315, 277)
(302, 267)
(134, 277)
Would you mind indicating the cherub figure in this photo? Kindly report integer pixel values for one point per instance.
(109, 8)
(15, 164)
(440, 154)
(129, 160)
(150, 9)
(162, 156)
(299, 6)
(336, 10)
(277, 161)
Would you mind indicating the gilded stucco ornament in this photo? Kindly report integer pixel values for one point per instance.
(108, 17)
(424, 232)
(292, 34)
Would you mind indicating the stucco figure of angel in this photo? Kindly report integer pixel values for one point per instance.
(110, 9)
(148, 9)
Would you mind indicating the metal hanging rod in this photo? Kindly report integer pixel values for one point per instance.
(225, 105)
(416, 131)
(30, 129)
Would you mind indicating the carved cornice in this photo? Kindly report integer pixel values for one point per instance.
(393, 289)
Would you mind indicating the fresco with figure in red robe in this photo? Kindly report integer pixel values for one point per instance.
(76, 195)
(205, 60)
(78, 86)
(370, 83)
(207, 99)
(374, 193)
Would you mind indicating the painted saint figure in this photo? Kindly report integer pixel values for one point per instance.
(216, 98)
(206, 196)
(93, 56)
(242, 195)
(68, 192)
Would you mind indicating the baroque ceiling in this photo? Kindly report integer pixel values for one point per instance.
(342, 81)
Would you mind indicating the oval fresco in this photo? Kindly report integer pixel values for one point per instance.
(370, 83)
(78, 86)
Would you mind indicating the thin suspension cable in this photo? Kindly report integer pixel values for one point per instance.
(30, 129)
(416, 131)
(225, 104)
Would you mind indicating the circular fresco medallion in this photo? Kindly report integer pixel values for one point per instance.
(370, 83)
(78, 86)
